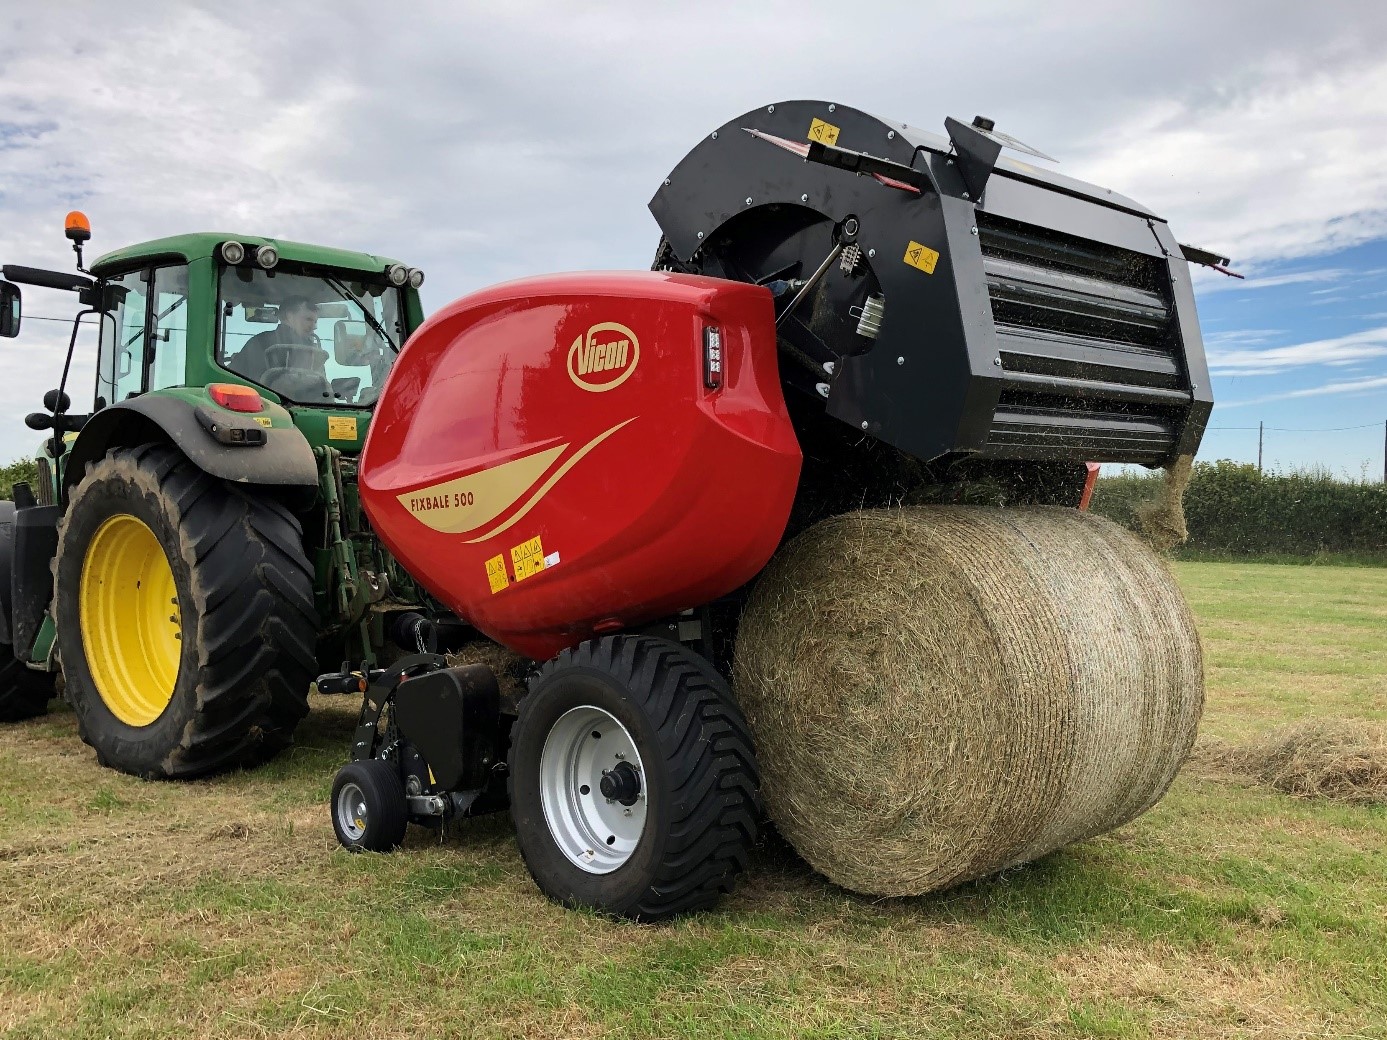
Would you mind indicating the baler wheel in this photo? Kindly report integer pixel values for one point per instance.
(185, 617)
(24, 693)
(633, 784)
(369, 813)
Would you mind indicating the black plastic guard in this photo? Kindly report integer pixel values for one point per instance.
(973, 355)
(452, 716)
(31, 573)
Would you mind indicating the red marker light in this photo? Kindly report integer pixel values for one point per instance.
(235, 397)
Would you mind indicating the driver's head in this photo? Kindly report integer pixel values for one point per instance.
(300, 316)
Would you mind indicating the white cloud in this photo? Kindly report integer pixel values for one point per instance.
(1222, 283)
(1345, 386)
(1357, 346)
(487, 141)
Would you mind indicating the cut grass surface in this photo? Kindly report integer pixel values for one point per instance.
(223, 908)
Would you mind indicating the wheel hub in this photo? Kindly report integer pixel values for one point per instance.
(593, 789)
(131, 620)
(621, 784)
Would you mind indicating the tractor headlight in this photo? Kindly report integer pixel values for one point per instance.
(232, 253)
(267, 257)
(397, 274)
(416, 277)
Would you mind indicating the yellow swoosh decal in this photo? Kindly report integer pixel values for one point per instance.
(466, 503)
(557, 476)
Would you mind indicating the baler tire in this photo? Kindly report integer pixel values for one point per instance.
(697, 767)
(243, 590)
(24, 693)
(381, 827)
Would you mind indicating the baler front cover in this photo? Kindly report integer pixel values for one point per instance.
(573, 454)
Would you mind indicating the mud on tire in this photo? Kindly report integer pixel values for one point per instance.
(245, 600)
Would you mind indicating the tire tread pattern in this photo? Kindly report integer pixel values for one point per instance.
(714, 783)
(258, 627)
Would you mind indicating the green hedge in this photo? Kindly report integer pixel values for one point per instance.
(1234, 511)
(20, 470)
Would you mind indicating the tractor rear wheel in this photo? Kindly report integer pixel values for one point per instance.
(185, 617)
(24, 693)
(632, 780)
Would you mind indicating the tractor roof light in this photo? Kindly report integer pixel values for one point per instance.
(236, 397)
(267, 257)
(416, 277)
(232, 253)
(77, 227)
(397, 274)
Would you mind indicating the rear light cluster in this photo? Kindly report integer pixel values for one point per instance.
(235, 397)
(712, 357)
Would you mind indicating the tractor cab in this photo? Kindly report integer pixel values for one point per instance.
(195, 524)
(313, 329)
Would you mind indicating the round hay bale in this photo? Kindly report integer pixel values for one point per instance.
(942, 692)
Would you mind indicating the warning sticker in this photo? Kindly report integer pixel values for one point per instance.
(922, 257)
(341, 427)
(824, 133)
(496, 574)
(263, 420)
(527, 558)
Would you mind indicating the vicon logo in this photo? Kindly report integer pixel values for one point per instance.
(603, 357)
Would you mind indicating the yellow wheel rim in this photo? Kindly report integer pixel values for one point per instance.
(131, 625)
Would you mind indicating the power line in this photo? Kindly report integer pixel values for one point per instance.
(1290, 429)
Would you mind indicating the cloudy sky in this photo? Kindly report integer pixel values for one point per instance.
(488, 141)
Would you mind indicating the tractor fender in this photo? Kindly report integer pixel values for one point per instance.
(284, 460)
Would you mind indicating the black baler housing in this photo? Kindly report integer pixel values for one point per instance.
(1058, 322)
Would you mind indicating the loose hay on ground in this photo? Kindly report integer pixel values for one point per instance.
(939, 693)
(1341, 759)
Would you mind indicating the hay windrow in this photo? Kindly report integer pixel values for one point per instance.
(938, 693)
(1340, 759)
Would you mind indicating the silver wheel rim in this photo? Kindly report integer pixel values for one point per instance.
(595, 833)
(351, 811)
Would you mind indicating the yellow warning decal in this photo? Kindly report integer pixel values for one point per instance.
(341, 427)
(824, 133)
(528, 558)
(263, 420)
(922, 257)
(496, 574)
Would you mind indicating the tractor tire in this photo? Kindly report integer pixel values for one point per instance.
(633, 783)
(369, 812)
(185, 617)
(24, 693)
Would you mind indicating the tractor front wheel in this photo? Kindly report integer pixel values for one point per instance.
(185, 617)
(632, 780)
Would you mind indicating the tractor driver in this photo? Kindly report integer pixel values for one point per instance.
(289, 357)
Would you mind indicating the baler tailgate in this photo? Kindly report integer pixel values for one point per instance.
(1034, 317)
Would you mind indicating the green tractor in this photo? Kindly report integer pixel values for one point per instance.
(193, 552)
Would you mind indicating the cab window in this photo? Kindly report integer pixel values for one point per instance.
(169, 328)
(120, 360)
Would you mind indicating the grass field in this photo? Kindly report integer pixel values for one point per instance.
(224, 909)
